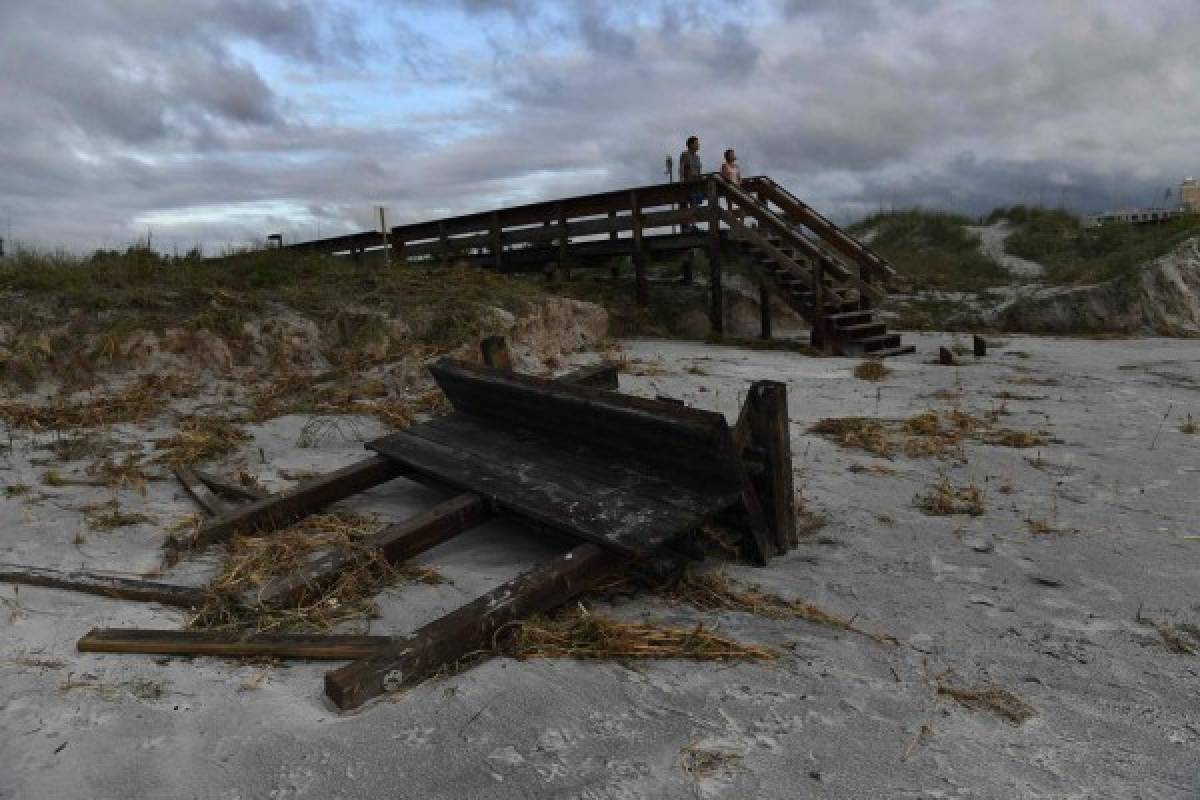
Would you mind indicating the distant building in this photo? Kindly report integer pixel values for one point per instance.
(1135, 216)
(1189, 195)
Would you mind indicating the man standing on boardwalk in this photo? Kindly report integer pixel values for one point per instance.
(690, 170)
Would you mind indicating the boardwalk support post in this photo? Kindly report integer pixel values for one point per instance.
(716, 312)
(639, 252)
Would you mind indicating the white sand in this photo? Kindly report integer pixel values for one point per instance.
(1116, 713)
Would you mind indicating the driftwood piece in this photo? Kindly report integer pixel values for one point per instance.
(394, 544)
(229, 489)
(199, 491)
(291, 504)
(471, 629)
(104, 585)
(233, 644)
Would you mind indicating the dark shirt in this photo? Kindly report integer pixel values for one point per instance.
(689, 166)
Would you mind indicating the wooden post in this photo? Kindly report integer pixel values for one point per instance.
(642, 289)
(494, 350)
(564, 269)
(764, 310)
(471, 628)
(615, 269)
(497, 243)
(716, 293)
(818, 331)
(383, 230)
(689, 265)
(769, 433)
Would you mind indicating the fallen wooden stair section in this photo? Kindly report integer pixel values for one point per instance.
(619, 476)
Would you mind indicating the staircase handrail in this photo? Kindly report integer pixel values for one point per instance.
(766, 216)
(826, 229)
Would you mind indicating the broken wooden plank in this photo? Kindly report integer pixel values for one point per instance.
(471, 629)
(394, 544)
(291, 504)
(234, 644)
(229, 489)
(212, 505)
(104, 585)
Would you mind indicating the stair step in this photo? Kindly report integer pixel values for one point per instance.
(894, 351)
(850, 317)
(863, 330)
(886, 341)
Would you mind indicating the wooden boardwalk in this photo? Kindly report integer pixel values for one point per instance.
(831, 279)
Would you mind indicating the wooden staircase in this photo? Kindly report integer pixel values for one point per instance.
(846, 327)
(817, 269)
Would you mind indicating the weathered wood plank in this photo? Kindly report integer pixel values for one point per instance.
(104, 585)
(291, 504)
(212, 505)
(471, 628)
(394, 544)
(657, 435)
(552, 487)
(234, 644)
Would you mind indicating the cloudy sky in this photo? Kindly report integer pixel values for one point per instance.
(219, 121)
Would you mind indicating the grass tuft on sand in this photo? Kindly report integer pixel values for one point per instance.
(252, 562)
(1000, 702)
(200, 438)
(579, 633)
(716, 591)
(928, 434)
(871, 370)
(947, 500)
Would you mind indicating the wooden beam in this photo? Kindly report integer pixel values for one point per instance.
(233, 644)
(212, 505)
(471, 629)
(394, 544)
(775, 484)
(291, 504)
(104, 585)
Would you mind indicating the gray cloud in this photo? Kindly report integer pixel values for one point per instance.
(217, 120)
